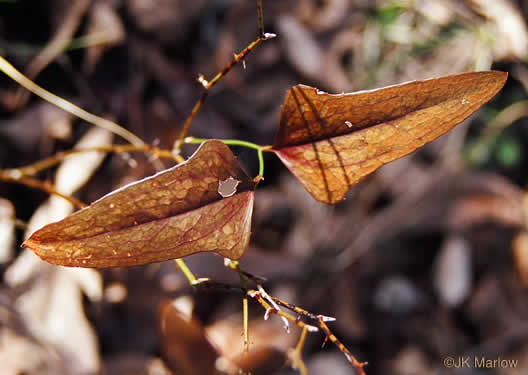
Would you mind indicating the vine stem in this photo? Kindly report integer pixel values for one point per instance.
(260, 18)
(358, 366)
(25, 175)
(236, 142)
(16, 177)
(271, 310)
(33, 169)
(67, 106)
(208, 85)
(298, 362)
(234, 265)
(186, 271)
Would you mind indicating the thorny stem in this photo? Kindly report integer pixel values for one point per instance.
(302, 311)
(176, 148)
(358, 366)
(209, 84)
(321, 319)
(22, 175)
(236, 142)
(271, 310)
(297, 360)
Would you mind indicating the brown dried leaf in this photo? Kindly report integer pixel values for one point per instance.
(481, 208)
(520, 255)
(331, 142)
(261, 361)
(186, 348)
(172, 214)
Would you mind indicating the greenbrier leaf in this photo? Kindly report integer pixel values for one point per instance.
(172, 214)
(331, 142)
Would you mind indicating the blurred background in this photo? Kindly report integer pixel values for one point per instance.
(425, 259)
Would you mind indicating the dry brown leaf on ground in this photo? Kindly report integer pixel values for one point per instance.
(226, 334)
(323, 16)
(191, 349)
(7, 230)
(307, 57)
(40, 124)
(184, 344)
(15, 358)
(52, 304)
(453, 271)
(520, 256)
(167, 20)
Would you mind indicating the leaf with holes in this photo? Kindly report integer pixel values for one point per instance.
(331, 142)
(174, 213)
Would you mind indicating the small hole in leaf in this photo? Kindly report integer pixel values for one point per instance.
(228, 187)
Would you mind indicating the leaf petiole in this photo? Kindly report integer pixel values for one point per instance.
(186, 271)
(235, 142)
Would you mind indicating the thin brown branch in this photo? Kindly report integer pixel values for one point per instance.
(207, 284)
(7, 176)
(271, 310)
(244, 275)
(301, 311)
(321, 321)
(208, 85)
(260, 16)
(33, 169)
(358, 366)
